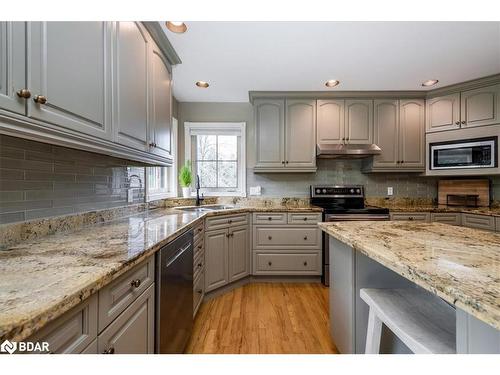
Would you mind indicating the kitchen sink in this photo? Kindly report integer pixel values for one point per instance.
(215, 207)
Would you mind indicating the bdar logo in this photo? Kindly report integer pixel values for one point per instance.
(8, 347)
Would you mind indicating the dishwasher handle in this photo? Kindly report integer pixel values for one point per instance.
(178, 254)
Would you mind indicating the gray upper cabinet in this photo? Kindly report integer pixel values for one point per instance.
(359, 121)
(480, 107)
(161, 121)
(330, 122)
(239, 253)
(13, 67)
(300, 136)
(70, 75)
(270, 133)
(386, 135)
(443, 113)
(131, 79)
(412, 133)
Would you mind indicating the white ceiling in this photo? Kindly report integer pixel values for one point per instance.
(237, 57)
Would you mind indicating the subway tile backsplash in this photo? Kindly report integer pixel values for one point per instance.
(41, 180)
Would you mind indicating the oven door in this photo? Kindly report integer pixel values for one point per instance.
(474, 153)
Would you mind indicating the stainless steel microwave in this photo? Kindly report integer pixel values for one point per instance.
(464, 154)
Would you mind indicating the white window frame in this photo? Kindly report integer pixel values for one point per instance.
(239, 128)
(171, 191)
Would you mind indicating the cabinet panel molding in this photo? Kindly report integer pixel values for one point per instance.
(359, 121)
(270, 133)
(330, 121)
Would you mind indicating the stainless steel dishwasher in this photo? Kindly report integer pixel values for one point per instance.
(174, 295)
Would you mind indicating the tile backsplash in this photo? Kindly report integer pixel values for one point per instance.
(41, 180)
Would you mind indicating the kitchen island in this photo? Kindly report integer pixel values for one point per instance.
(458, 265)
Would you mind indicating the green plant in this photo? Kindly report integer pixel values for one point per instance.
(185, 174)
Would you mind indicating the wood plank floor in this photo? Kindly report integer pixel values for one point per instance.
(271, 318)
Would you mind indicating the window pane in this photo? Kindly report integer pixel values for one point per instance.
(206, 147)
(228, 174)
(208, 173)
(228, 148)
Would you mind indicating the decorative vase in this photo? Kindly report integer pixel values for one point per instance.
(186, 192)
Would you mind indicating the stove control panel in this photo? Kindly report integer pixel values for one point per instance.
(354, 191)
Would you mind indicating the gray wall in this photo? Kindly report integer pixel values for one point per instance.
(40, 180)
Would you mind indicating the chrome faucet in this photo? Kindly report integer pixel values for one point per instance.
(198, 198)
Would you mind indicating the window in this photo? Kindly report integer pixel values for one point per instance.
(161, 182)
(217, 153)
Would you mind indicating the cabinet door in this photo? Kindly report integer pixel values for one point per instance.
(161, 121)
(131, 88)
(480, 106)
(330, 121)
(69, 65)
(216, 259)
(133, 331)
(359, 121)
(270, 133)
(386, 124)
(239, 253)
(300, 135)
(412, 133)
(443, 113)
(12, 65)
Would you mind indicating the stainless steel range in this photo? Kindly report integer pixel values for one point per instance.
(342, 203)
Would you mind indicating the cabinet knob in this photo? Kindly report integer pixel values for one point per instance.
(305, 263)
(305, 219)
(411, 218)
(200, 247)
(200, 229)
(305, 238)
(200, 265)
(24, 93)
(136, 283)
(282, 162)
(463, 122)
(402, 161)
(109, 351)
(40, 99)
(270, 263)
(269, 237)
(269, 218)
(286, 162)
(457, 123)
(199, 291)
(229, 221)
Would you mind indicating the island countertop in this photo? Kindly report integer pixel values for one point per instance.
(460, 265)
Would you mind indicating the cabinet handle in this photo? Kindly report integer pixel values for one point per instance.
(200, 247)
(200, 229)
(229, 221)
(269, 237)
(199, 291)
(136, 283)
(305, 263)
(286, 162)
(305, 238)
(282, 162)
(305, 219)
(411, 218)
(457, 123)
(109, 351)
(463, 122)
(40, 99)
(200, 265)
(270, 263)
(24, 93)
(402, 161)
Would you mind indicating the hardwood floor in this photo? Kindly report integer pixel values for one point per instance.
(271, 318)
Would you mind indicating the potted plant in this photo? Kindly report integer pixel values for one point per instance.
(185, 179)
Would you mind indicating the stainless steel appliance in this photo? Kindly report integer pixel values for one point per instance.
(342, 203)
(174, 295)
(464, 154)
(347, 151)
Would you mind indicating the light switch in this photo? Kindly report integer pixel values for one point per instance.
(255, 190)
(390, 190)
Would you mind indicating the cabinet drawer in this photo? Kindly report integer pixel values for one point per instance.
(115, 297)
(198, 292)
(447, 218)
(198, 232)
(286, 237)
(300, 263)
(226, 221)
(72, 332)
(411, 216)
(304, 218)
(478, 221)
(269, 218)
(198, 246)
(133, 331)
(198, 264)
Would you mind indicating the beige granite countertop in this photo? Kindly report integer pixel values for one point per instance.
(490, 211)
(460, 265)
(43, 277)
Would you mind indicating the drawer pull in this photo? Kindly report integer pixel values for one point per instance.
(305, 238)
(200, 265)
(269, 238)
(136, 283)
(305, 219)
(269, 218)
(270, 263)
(411, 218)
(109, 351)
(305, 263)
(40, 99)
(229, 221)
(199, 291)
(200, 229)
(200, 247)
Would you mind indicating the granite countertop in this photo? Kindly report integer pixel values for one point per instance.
(490, 211)
(460, 265)
(44, 277)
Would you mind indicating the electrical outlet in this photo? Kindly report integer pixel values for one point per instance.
(130, 195)
(255, 190)
(390, 190)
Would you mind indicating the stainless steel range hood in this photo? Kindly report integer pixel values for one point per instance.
(348, 151)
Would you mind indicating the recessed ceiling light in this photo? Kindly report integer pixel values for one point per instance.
(202, 84)
(176, 26)
(332, 83)
(430, 82)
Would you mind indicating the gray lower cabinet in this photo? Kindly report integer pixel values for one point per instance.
(497, 221)
(452, 218)
(70, 75)
(198, 292)
(478, 221)
(133, 331)
(238, 253)
(12, 66)
(91, 349)
(410, 216)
